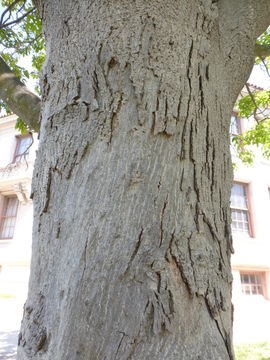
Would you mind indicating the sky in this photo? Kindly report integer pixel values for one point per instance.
(26, 63)
(259, 77)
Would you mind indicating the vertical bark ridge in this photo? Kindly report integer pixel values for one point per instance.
(135, 129)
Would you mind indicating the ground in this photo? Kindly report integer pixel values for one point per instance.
(10, 315)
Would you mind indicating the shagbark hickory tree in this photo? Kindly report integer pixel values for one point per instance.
(131, 189)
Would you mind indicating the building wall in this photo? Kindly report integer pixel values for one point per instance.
(15, 180)
(252, 253)
(7, 139)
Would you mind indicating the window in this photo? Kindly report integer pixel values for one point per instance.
(235, 125)
(252, 283)
(22, 148)
(239, 209)
(8, 217)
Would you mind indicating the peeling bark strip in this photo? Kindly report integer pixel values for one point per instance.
(137, 98)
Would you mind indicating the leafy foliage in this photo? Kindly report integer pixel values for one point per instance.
(264, 39)
(255, 105)
(259, 136)
(20, 35)
(21, 126)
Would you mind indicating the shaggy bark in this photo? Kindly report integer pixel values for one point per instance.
(132, 239)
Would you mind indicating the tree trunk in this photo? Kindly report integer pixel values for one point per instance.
(132, 239)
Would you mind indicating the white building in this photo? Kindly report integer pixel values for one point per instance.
(250, 205)
(16, 210)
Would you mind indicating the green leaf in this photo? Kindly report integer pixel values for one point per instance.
(21, 126)
(258, 136)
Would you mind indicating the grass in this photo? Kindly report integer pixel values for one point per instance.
(259, 351)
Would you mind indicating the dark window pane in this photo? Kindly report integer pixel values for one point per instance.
(234, 126)
(252, 284)
(23, 147)
(260, 290)
(24, 144)
(240, 220)
(238, 196)
(9, 218)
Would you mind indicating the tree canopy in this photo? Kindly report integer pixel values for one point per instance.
(21, 35)
(254, 104)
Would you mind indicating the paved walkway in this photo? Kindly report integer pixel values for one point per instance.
(8, 345)
(10, 318)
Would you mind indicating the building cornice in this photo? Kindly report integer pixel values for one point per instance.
(8, 121)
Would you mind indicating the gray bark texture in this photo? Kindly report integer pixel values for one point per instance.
(132, 239)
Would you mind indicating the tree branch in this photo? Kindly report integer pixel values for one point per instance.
(262, 51)
(19, 99)
(16, 21)
(8, 9)
(265, 66)
(254, 103)
(261, 16)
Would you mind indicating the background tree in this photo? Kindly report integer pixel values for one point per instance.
(255, 106)
(20, 35)
(131, 238)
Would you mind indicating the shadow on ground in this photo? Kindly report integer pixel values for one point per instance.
(8, 345)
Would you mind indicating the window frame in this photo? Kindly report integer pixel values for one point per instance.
(248, 210)
(18, 141)
(254, 273)
(2, 217)
(238, 124)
